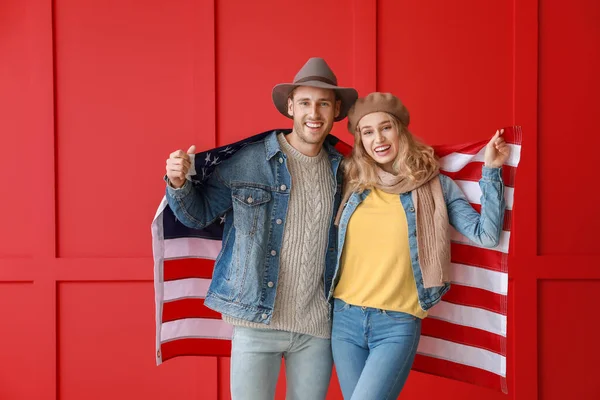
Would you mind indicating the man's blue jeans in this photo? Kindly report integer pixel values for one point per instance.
(373, 350)
(256, 359)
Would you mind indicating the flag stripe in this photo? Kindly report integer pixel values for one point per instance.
(472, 172)
(463, 334)
(189, 327)
(459, 372)
(192, 247)
(469, 316)
(456, 161)
(474, 297)
(481, 278)
(185, 288)
(187, 268)
(462, 354)
(195, 347)
(478, 257)
(512, 135)
(344, 148)
(187, 308)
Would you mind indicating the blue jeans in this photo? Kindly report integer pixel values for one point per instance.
(256, 358)
(373, 350)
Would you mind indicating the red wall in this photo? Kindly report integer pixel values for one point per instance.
(95, 94)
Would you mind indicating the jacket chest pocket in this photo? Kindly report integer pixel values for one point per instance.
(250, 206)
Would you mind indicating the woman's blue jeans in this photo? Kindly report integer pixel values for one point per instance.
(373, 350)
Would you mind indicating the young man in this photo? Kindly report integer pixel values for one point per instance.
(279, 242)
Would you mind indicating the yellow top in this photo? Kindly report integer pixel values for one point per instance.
(376, 270)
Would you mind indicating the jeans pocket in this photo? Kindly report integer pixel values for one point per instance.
(399, 316)
(340, 305)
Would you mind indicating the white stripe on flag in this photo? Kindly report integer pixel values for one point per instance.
(184, 288)
(462, 354)
(470, 316)
(473, 193)
(196, 328)
(192, 247)
(458, 237)
(454, 162)
(481, 278)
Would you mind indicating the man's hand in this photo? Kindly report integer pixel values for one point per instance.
(178, 165)
(496, 151)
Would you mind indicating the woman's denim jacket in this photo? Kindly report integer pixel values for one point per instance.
(252, 189)
(483, 229)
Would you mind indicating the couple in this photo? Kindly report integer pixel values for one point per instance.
(326, 259)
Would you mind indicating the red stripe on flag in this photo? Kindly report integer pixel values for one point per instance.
(459, 372)
(195, 347)
(476, 297)
(478, 257)
(466, 335)
(344, 148)
(187, 308)
(472, 172)
(512, 135)
(183, 268)
(472, 148)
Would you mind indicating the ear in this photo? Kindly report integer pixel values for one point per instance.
(290, 107)
(338, 107)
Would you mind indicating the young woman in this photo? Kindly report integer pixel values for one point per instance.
(394, 244)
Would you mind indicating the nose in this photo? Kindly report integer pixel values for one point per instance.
(314, 110)
(378, 136)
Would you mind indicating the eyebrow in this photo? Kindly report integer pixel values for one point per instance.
(306, 98)
(368, 126)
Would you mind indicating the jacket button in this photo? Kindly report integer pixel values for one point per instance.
(279, 221)
(280, 160)
(250, 200)
(273, 253)
(283, 187)
(412, 209)
(264, 316)
(270, 284)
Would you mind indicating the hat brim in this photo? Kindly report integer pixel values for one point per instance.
(282, 91)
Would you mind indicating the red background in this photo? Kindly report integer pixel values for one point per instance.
(94, 95)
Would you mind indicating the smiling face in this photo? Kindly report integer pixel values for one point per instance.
(314, 110)
(380, 139)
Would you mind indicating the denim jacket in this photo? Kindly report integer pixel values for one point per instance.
(483, 229)
(252, 188)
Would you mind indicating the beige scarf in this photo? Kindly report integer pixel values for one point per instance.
(433, 236)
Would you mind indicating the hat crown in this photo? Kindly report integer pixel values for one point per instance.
(317, 74)
(316, 69)
(377, 102)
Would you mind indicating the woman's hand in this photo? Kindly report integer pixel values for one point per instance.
(496, 151)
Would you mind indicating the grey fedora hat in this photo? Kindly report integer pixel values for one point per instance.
(315, 73)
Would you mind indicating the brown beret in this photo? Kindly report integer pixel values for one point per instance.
(376, 102)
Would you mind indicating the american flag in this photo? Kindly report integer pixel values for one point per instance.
(464, 336)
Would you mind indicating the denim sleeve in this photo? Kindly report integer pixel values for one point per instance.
(198, 205)
(482, 228)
